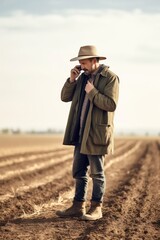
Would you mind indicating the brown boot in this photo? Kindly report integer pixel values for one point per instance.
(94, 213)
(76, 210)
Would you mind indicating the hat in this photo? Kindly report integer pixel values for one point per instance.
(86, 52)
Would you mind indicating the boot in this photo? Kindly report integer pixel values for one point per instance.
(94, 213)
(76, 210)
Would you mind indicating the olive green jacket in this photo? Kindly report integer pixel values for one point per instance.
(98, 131)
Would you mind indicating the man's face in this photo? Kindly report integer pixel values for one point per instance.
(88, 65)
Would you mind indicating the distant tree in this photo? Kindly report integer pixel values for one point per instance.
(16, 131)
(6, 130)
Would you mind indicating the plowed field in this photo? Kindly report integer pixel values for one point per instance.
(35, 181)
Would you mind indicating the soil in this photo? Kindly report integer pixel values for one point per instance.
(36, 181)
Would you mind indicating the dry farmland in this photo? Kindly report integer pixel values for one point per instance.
(35, 181)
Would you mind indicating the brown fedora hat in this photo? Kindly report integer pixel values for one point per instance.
(86, 52)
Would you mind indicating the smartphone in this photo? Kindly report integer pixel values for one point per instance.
(79, 67)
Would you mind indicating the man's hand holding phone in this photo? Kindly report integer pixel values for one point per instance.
(75, 73)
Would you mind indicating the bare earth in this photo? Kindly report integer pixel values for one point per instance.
(35, 181)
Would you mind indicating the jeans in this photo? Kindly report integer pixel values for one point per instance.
(80, 168)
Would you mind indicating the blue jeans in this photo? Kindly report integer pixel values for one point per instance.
(81, 164)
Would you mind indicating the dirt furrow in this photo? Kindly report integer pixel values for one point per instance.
(36, 166)
(25, 200)
(28, 163)
(123, 148)
(119, 157)
(26, 157)
(35, 179)
(37, 182)
(25, 151)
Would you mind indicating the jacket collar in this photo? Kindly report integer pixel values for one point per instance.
(104, 70)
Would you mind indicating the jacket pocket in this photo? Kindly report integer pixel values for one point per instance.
(102, 134)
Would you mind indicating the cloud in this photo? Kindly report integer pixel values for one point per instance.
(41, 7)
(129, 34)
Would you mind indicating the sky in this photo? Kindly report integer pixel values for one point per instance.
(39, 37)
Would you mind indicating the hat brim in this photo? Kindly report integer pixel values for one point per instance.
(86, 57)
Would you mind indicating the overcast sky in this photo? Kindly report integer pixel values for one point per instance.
(50, 6)
(38, 38)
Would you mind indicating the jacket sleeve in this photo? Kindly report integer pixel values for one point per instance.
(108, 100)
(67, 91)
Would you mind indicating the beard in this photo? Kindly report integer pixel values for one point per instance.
(86, 72)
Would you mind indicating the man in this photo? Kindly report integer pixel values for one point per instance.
(94, 96)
